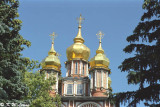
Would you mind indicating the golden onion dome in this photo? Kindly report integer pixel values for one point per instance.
(51, 61)
(78, 50)
(99, 60)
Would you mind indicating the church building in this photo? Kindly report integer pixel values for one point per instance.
(87, 82)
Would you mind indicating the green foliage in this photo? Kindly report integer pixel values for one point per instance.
(38, 90)
(17, 85)
(144, 67)
(112, 99)
(12, 88)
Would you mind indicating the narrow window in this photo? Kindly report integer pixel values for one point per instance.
(83, 68)
(69, 70)
(76, 68)
(79, 89)
(69, 88)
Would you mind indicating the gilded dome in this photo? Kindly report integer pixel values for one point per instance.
(99, 60)
(51, 61)
(78, 49)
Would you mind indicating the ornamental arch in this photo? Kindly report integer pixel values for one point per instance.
(89, 104)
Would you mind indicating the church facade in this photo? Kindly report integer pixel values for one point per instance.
(87, 83)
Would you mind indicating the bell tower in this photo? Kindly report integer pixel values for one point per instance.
(77, 55)
(51, 66)
(76, 82)
(99, 71)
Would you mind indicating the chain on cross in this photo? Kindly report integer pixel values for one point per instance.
(53, 35)
(100, 35)
(80, 19)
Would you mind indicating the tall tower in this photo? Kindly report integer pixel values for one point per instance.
(52, 66)
(99, 71)
(76, 82)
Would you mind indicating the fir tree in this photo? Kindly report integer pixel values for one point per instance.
(144, 67)
(12, 64)
(16, 83)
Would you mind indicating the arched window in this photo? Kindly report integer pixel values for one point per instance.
(89, 104)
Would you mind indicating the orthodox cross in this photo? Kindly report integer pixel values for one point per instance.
(100, 35)
(80, 19)
(53, 35)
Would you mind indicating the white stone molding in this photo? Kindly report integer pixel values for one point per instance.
(67, 70)
(91, 83)
(80, 67)
(89, 104)
(74, 88)
(102, 78)
(73, 103)
(87, 69)
(65, 88)
(105, 103)
(91, 93)
(67, 74)
(107, 80)
(72, 67)
(95, 78)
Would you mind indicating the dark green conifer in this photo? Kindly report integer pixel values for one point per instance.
(12, 64)
(144, 67)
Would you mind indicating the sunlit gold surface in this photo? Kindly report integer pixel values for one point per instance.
(51, 61)
(99, 60)
(78, 49)
(109, 83)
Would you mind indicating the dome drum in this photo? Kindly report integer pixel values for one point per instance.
(76, 59)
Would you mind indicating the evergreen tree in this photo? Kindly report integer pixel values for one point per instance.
(16, 83)
(12, 64)
(144, 67)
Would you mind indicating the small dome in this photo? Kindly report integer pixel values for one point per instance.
(51, 61)
(99, 60)
(78, 49)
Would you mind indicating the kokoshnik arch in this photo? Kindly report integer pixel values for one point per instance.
(77, 89)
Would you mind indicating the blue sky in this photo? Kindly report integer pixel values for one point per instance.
(116, 18)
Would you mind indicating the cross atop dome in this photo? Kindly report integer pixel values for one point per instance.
(80, 19)
(100, 35)
(53, 36)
